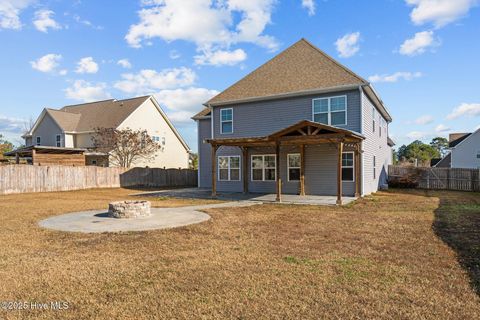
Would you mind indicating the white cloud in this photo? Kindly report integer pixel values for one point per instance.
(182, 104)
(310, 6)
(221, 57)
(82, 90)
(210, 24)
(423, 120)
(439, 12)
(12, 125)
(10, 11)
(174, 54)
(124, 63)
(47, 63)
(86, 22)
(395, 77)
(441, 128)
(148, 81)
(465, 109)
(417, 135)
(86, 65)
(420, 42)
(44, 20)
(347, 46)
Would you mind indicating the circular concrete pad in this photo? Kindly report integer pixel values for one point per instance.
(99, 221)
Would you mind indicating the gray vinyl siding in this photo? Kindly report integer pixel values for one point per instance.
(374, 145)
(464, 155)
(204, 154)
(47, 129)
(261, 118)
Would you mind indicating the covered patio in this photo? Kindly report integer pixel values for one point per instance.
(300, 134)
(201, 193)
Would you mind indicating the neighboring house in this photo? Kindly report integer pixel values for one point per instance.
(298, 124)
(72, 128)
(464, 151)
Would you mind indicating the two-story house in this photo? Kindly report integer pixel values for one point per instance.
(464, 151)
(69, 130)
(301, 123)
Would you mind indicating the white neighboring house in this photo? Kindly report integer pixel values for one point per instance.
(464, 151)
(73, 126)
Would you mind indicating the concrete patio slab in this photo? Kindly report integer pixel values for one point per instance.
(96, 221)
(199, 193)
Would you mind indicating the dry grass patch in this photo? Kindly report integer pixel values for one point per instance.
(379, 258)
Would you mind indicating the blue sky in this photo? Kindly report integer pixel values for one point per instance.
(421, 55)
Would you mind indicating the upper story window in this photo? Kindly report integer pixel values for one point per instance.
(226, 120)
(38, 141)
(229, 168)
(58, 140)
(347, 166)
(264, 167)
(331, 111)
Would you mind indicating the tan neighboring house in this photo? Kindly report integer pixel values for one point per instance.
(67, 132)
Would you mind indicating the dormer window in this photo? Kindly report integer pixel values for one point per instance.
(331, 111)
(226, 121)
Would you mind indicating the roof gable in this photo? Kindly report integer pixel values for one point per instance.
(106, 114)
(301, 67)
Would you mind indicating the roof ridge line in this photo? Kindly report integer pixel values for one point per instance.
(268, 61)
(81, 104)
(335, 61)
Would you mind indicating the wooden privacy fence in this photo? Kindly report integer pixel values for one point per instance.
(156, 177)
(27, 178)
(438, 178)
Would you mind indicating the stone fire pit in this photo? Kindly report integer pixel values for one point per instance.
(129, 209)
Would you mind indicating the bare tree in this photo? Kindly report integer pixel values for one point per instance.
(125, 147)
(28, 125)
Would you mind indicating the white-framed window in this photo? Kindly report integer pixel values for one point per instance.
(348, 166)
(331, 111)
(38, 141)
(229, 168)
(264, 167)
(293, 166)
(373, 118)
(374, 168)
(58, 140)
(226, 120)
(478, 155)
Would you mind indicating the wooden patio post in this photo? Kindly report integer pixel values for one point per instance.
(17, 158)
(214, 170)
(339, 173)
(245, 169)
(302, 170)
(277, 172)
(357, 170)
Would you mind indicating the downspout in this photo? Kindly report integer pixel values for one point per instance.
(362, 192)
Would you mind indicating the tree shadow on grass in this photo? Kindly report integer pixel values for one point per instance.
(457, 223)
